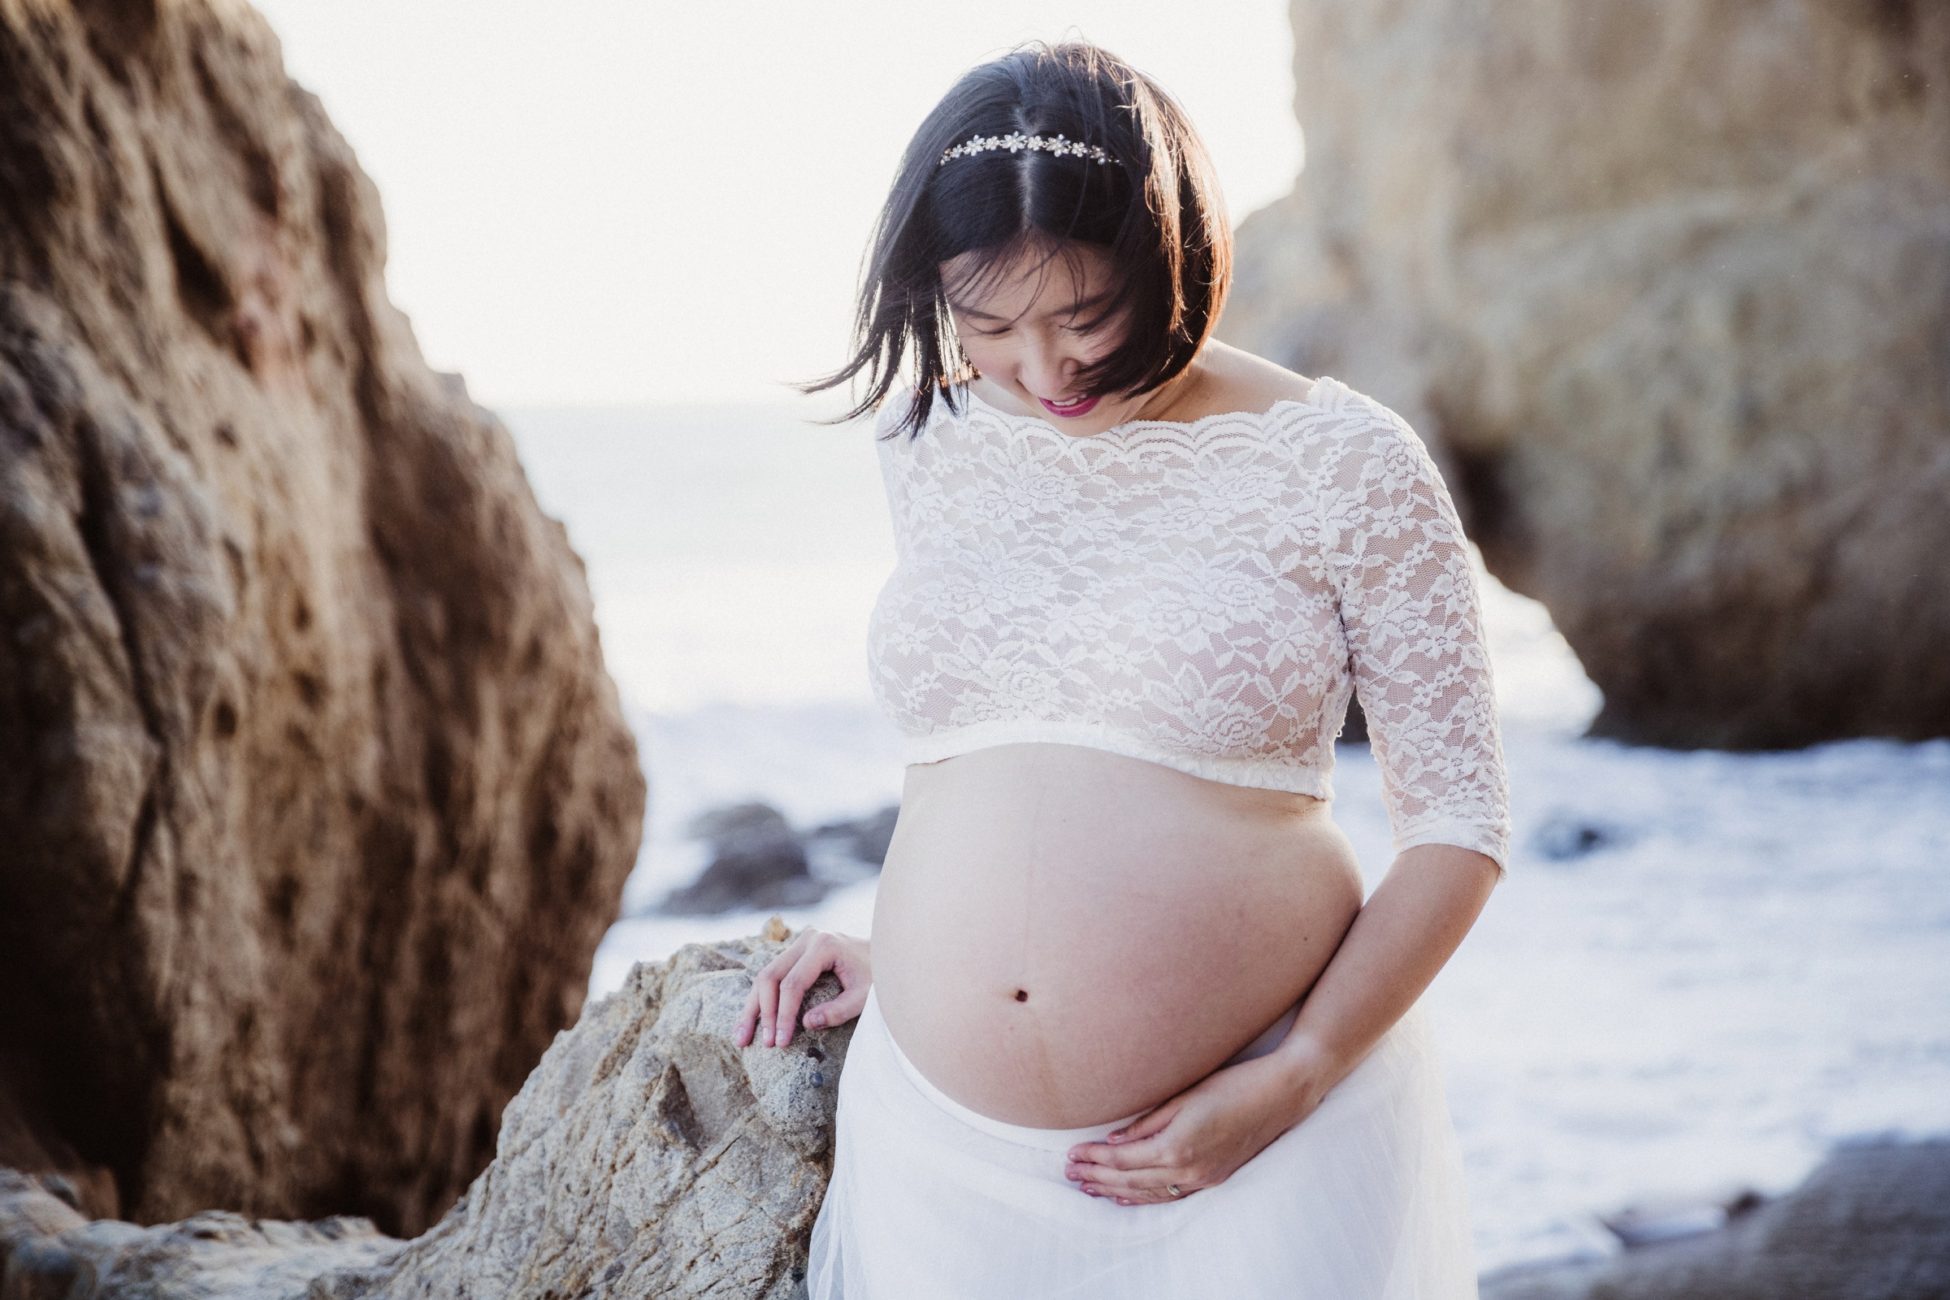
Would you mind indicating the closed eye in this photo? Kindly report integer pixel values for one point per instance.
(1091, 328)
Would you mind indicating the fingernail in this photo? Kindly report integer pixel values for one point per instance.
(815, 1020)
(1117, 1137)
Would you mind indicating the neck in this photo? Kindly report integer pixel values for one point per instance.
(1174, 394)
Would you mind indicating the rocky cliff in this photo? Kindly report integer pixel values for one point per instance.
(317, 796)
(1664, 287)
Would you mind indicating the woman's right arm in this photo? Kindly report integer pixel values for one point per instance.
(780, 986)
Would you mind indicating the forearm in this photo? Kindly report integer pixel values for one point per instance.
(1401, 937)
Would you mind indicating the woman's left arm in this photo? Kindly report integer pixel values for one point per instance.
(1408, 929)
(1420, 662)
(1416, 652)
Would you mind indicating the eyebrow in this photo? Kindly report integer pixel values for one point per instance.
(1092, 301)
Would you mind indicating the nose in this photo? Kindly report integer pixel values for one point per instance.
(1049, 370)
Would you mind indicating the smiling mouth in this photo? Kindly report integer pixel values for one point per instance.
(1075, 408)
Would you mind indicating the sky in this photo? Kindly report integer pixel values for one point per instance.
(597, 202)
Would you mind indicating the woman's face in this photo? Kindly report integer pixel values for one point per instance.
(1025, 334)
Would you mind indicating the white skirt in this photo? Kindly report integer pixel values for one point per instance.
(1364, 1199)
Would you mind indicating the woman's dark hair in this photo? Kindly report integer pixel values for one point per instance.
(1155, 211)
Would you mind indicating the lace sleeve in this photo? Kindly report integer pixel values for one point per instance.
(885, 446)
(1410, 610)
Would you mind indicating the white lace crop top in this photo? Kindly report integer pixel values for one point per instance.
(1202, 594)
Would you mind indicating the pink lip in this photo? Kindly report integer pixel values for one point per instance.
(1069, 412)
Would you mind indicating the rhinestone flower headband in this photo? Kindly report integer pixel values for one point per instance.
(1016, 141)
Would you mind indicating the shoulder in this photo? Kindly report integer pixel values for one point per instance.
(894, 409)
(1344, 438)
(1363, 428)
(1368, 464)
(1362, 438)
(1238, 380)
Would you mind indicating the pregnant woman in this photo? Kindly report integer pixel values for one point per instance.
(1126, 1025)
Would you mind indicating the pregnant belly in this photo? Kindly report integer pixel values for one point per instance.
(1063, 936)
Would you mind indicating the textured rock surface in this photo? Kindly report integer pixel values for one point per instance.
(1870, 1223)
(1663, 285)
(647, 1156)
(318, 796)
(47, 1250)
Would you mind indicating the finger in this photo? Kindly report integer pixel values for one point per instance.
(1103, 1159)
(1158, 1199)
(836, 1010)
(767, 990)
(1156, 1191)
(792, 989)
(1123, 1168)
(1118, 1187)
(766, 987)
(748, 1018)
(1138, 1132)
(1149, 1188)
(1143, 1126)
(741, 1031)
(1129, 1177)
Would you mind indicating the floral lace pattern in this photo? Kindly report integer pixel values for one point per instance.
(1203, 594)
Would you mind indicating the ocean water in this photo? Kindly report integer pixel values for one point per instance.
(1751, 964)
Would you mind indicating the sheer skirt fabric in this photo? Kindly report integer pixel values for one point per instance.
(1364, 1199)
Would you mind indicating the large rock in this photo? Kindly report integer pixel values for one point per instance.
(318, 798)
(1663, 284)
(1871, 1222)
(648, 1156)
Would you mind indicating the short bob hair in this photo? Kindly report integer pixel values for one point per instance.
(1155, 211)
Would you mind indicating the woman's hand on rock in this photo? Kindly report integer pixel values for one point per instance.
(780, 986)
